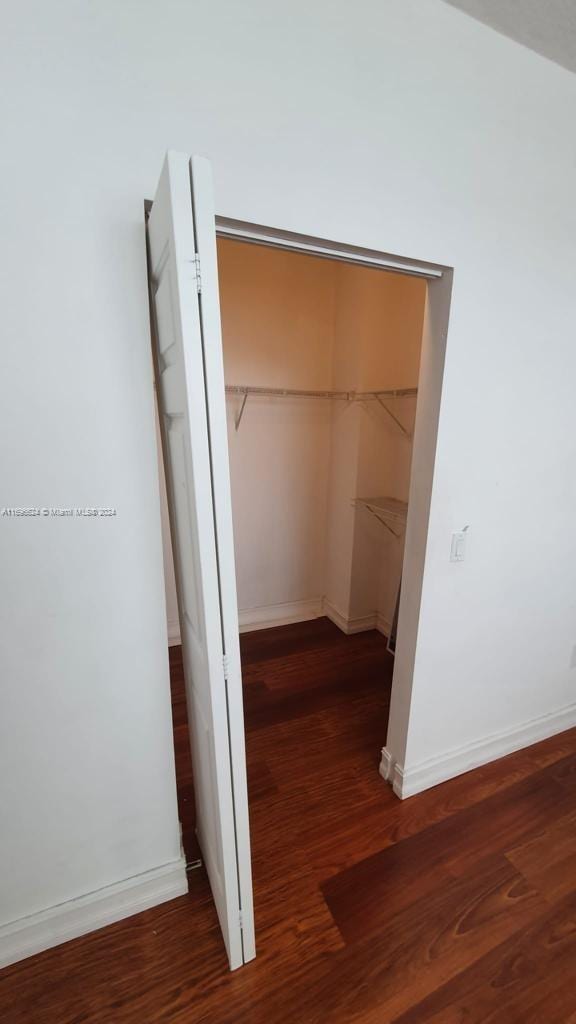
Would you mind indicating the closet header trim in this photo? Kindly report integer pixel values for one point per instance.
(257, 234)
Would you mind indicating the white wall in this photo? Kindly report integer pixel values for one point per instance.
(172, 613)
(396, 124)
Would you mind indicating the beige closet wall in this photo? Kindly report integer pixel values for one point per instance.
(378, 334)
(296, 465)
(277, 325)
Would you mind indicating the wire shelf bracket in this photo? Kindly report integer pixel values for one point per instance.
(245, 391)
(238, 418)
(388, 511)
(393, 417)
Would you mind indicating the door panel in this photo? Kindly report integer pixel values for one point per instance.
(204, 220)
(190, 405)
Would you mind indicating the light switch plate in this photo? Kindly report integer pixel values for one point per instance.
(458, 547)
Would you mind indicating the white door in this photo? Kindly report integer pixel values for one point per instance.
(191, 397)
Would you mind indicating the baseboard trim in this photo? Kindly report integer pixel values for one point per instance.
(409, 782)
(29, 935)
(347, 625)
(387, 765)
(356, 625)
(270, 615)
(382, 625)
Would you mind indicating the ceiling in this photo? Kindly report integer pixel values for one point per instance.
(546, 26)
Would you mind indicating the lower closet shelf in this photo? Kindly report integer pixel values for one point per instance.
(389, 511)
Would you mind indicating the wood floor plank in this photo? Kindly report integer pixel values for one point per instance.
(548, 858)
(362, 897)
(455, 906)
(378, 978)
(297, 638)
(528, 979)
(261, 782)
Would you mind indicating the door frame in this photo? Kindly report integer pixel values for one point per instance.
(258, 234)
(428, 408)
(430, 383)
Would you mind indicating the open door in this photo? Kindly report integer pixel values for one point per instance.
(190, 381)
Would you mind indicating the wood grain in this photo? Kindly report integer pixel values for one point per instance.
(454, 907)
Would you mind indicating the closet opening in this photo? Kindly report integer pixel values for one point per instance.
(330, 393)
(322, 362)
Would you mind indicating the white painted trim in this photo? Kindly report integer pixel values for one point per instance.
(270, 615)
(348, 626)
(408, 782)
(382, 625)
(258, 234)
(29, 935)
(173, 633)
(358, 625)
(386, 768)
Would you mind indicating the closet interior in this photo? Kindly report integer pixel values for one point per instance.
(321, 361)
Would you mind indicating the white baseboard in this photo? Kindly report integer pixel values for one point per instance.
(295, 611)
(30, 935)
(355, 625)
(386, 768)
(408, 782)
(347, 625)
(270, 615)
(382, 625)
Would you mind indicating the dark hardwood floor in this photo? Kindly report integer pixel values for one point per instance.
(454, 907)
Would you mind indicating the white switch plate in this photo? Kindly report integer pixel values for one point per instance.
(458, 547)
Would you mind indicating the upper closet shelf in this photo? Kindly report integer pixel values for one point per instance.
(246, 390)
(387, 511)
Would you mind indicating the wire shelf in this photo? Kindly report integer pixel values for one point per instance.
(389, 511)
(381, 396)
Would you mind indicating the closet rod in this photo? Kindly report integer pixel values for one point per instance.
(389, 393)
(240, 389)
(245, 391)
(345, 396)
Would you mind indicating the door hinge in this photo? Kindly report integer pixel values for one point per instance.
(198, 276)
(225, 666)
(240, 920)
